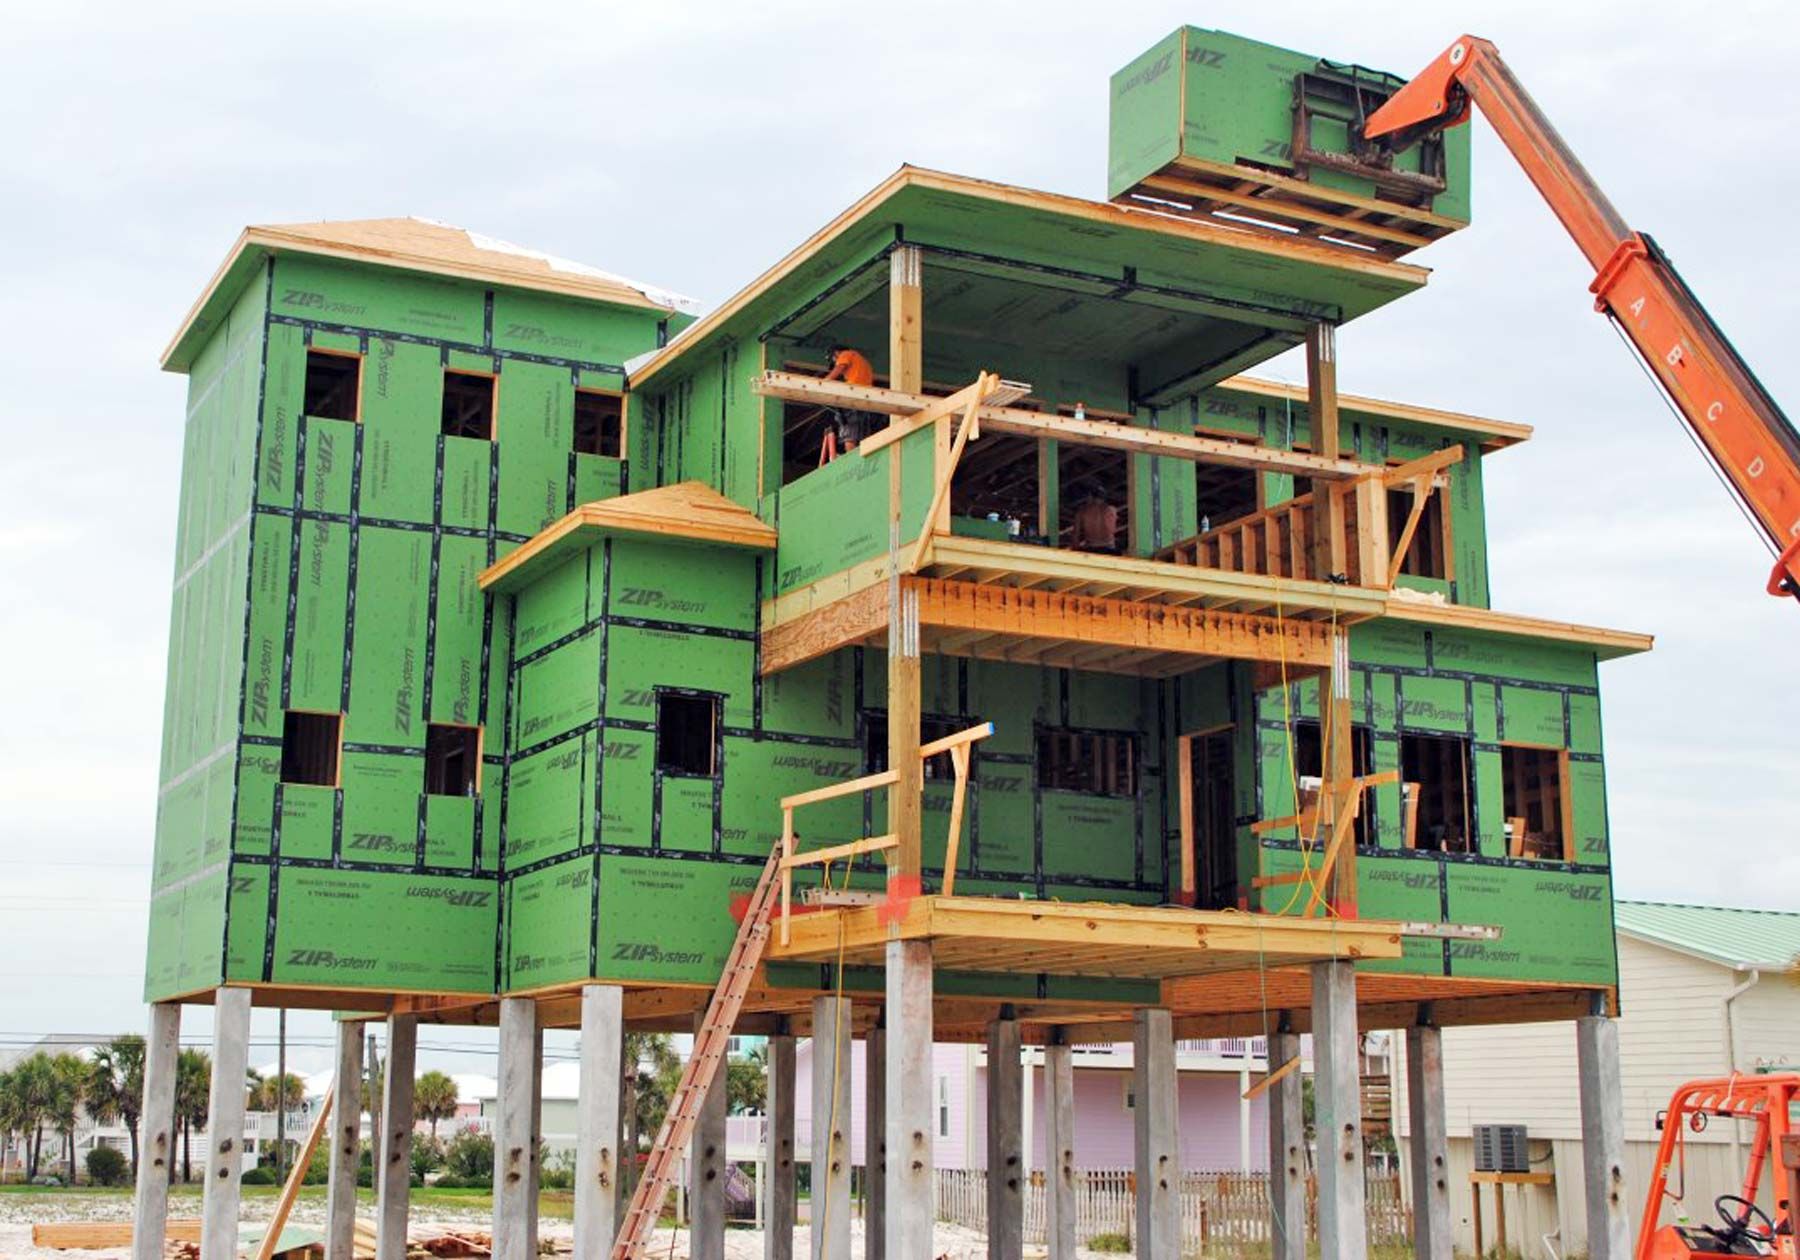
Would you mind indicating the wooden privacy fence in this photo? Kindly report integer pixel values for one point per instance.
(1221, 1212)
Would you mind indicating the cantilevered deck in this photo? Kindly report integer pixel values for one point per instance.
(1080, 939)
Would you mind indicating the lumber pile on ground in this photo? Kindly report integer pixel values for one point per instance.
(423, 1242)
(93, 1235)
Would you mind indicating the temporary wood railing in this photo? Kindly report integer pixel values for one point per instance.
(1277, 542)
(1346, 805)
(959, 746)
(1280, 541)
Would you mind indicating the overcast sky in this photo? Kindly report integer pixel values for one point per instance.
(693, 145)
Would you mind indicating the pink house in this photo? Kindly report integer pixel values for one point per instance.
(1219, 1129)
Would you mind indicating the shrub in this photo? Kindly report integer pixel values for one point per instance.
(1109, 1242)
(107, 1167)
(558, 1174)
(470, 1158)
(318, 1172)
(426, 1156)
(261, 1175)
(449, 1181)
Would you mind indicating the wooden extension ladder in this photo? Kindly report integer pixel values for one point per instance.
(710, 1044)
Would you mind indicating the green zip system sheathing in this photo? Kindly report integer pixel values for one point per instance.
(1230, 101)
(333, 566)
(619, 869)
(330, 565)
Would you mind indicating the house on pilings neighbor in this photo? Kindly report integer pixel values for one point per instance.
(512, 601)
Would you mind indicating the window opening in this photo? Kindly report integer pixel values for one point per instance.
(332, 385)
(468, 406)
(1095, 763)
(309, 747)
(1309, 768)
(686, 734)
(1425, 554)
(1434, 770)
(599, 423)
(1532, 780)
(875, 743)
(452, 760)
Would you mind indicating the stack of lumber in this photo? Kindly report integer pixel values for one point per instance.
(423, 1242)
(94, 1235)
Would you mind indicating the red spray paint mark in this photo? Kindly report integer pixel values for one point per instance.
(901, 889)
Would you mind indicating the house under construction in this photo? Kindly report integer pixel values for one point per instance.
(520, 616)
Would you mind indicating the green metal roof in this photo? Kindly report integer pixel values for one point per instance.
(1723, 934)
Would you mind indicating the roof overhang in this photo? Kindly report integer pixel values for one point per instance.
(1606, 644)
(425, 248)
(1490, 435)
(1161, 256)
(688, 512)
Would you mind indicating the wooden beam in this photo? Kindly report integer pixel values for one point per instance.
(906, 309)
(1421, 494)
(95, 1235)
(296, 1176)
(970, 395)
(836, 852)
(1188, 893)
(940, 495)
(810, 635)
(1261, 1087)
(1119, 623)
(1112, 435)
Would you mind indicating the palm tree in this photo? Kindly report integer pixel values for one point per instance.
(115, 1088)
(193, 1084)
(434, 1099)
(273, 1093)
(69, 1075)
(30, 1094)
(12, 1112)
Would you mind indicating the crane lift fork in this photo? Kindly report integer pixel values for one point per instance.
(1751, 442)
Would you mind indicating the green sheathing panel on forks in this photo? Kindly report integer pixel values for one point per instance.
(331, 565)
(1229, 100)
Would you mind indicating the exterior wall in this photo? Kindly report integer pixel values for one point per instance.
(357, 543)
(1671, 1030)
(201, 723)
(1766, 1026)
(1489, 691)
(598, 843)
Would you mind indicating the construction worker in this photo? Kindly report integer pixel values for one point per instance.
(848, 426)
(1096, 526)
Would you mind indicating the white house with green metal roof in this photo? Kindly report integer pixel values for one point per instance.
(1703, 991)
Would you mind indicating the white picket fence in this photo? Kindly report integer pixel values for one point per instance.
(1220, 1212)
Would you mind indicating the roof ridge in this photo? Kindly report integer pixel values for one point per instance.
(1700, 905)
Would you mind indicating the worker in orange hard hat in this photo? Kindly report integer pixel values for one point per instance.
(848, 426)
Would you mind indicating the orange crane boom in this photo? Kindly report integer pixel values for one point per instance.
(1750, 440)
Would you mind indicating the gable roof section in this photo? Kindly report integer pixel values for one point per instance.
(934, 207)
(414, 245)
(689, 511)
(1727, 935)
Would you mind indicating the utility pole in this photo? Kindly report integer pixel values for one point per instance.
(374, 1117)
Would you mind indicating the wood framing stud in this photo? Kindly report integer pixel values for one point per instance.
(906, 354)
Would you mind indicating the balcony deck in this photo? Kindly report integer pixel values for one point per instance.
(1043, 606)
(1080, 939)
